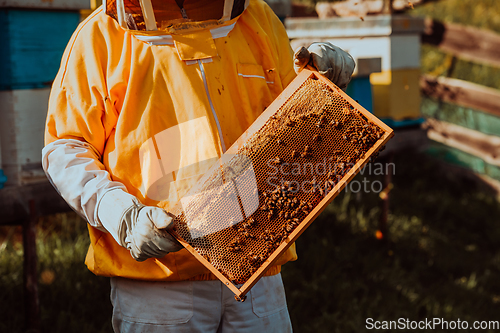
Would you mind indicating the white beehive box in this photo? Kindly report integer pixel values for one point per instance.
(385, 47)
(395, 40)
(22, 113)
(45, 4)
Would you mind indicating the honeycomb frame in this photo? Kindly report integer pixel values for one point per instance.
(222, 252)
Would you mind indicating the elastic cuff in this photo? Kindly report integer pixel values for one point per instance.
(96, 215)
(112, 211)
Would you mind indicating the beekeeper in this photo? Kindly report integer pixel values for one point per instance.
(149, 94)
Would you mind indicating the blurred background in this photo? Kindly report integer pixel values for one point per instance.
(422, 240)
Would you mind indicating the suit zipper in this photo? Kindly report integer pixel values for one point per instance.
(184, 14)
(223, 145)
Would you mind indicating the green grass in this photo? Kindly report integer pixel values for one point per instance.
(441, 259)
(72, 299)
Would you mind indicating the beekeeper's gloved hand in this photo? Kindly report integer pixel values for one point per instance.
(136, 226)
(330, 61)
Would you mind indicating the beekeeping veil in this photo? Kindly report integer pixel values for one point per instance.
(157, 16)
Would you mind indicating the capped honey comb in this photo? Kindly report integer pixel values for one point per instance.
(276, 179)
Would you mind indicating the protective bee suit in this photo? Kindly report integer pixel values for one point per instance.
(149, 94)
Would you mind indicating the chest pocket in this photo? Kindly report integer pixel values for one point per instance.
(258, 86)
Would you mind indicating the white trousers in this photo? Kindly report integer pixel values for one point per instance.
(198, 306)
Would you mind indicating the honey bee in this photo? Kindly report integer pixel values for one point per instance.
(338, 153)
(250, 222)
(335, 124)
(305, 154)
(278, 160)
(234, 248)
(246, 234)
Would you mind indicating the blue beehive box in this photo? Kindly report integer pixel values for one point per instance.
(33, 42)
(360, 89)
(3, 179)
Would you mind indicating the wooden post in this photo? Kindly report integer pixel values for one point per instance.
(31, 302)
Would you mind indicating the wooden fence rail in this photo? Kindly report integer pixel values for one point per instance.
(462, 141)
(462, 93)
(465, 42)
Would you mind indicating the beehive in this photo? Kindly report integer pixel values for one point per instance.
(34, 35)
(386, 49)
(276, 179)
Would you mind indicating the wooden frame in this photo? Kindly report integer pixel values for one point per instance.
(242, 290)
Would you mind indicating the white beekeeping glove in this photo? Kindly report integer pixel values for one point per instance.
(141, 229)
(330, 61)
